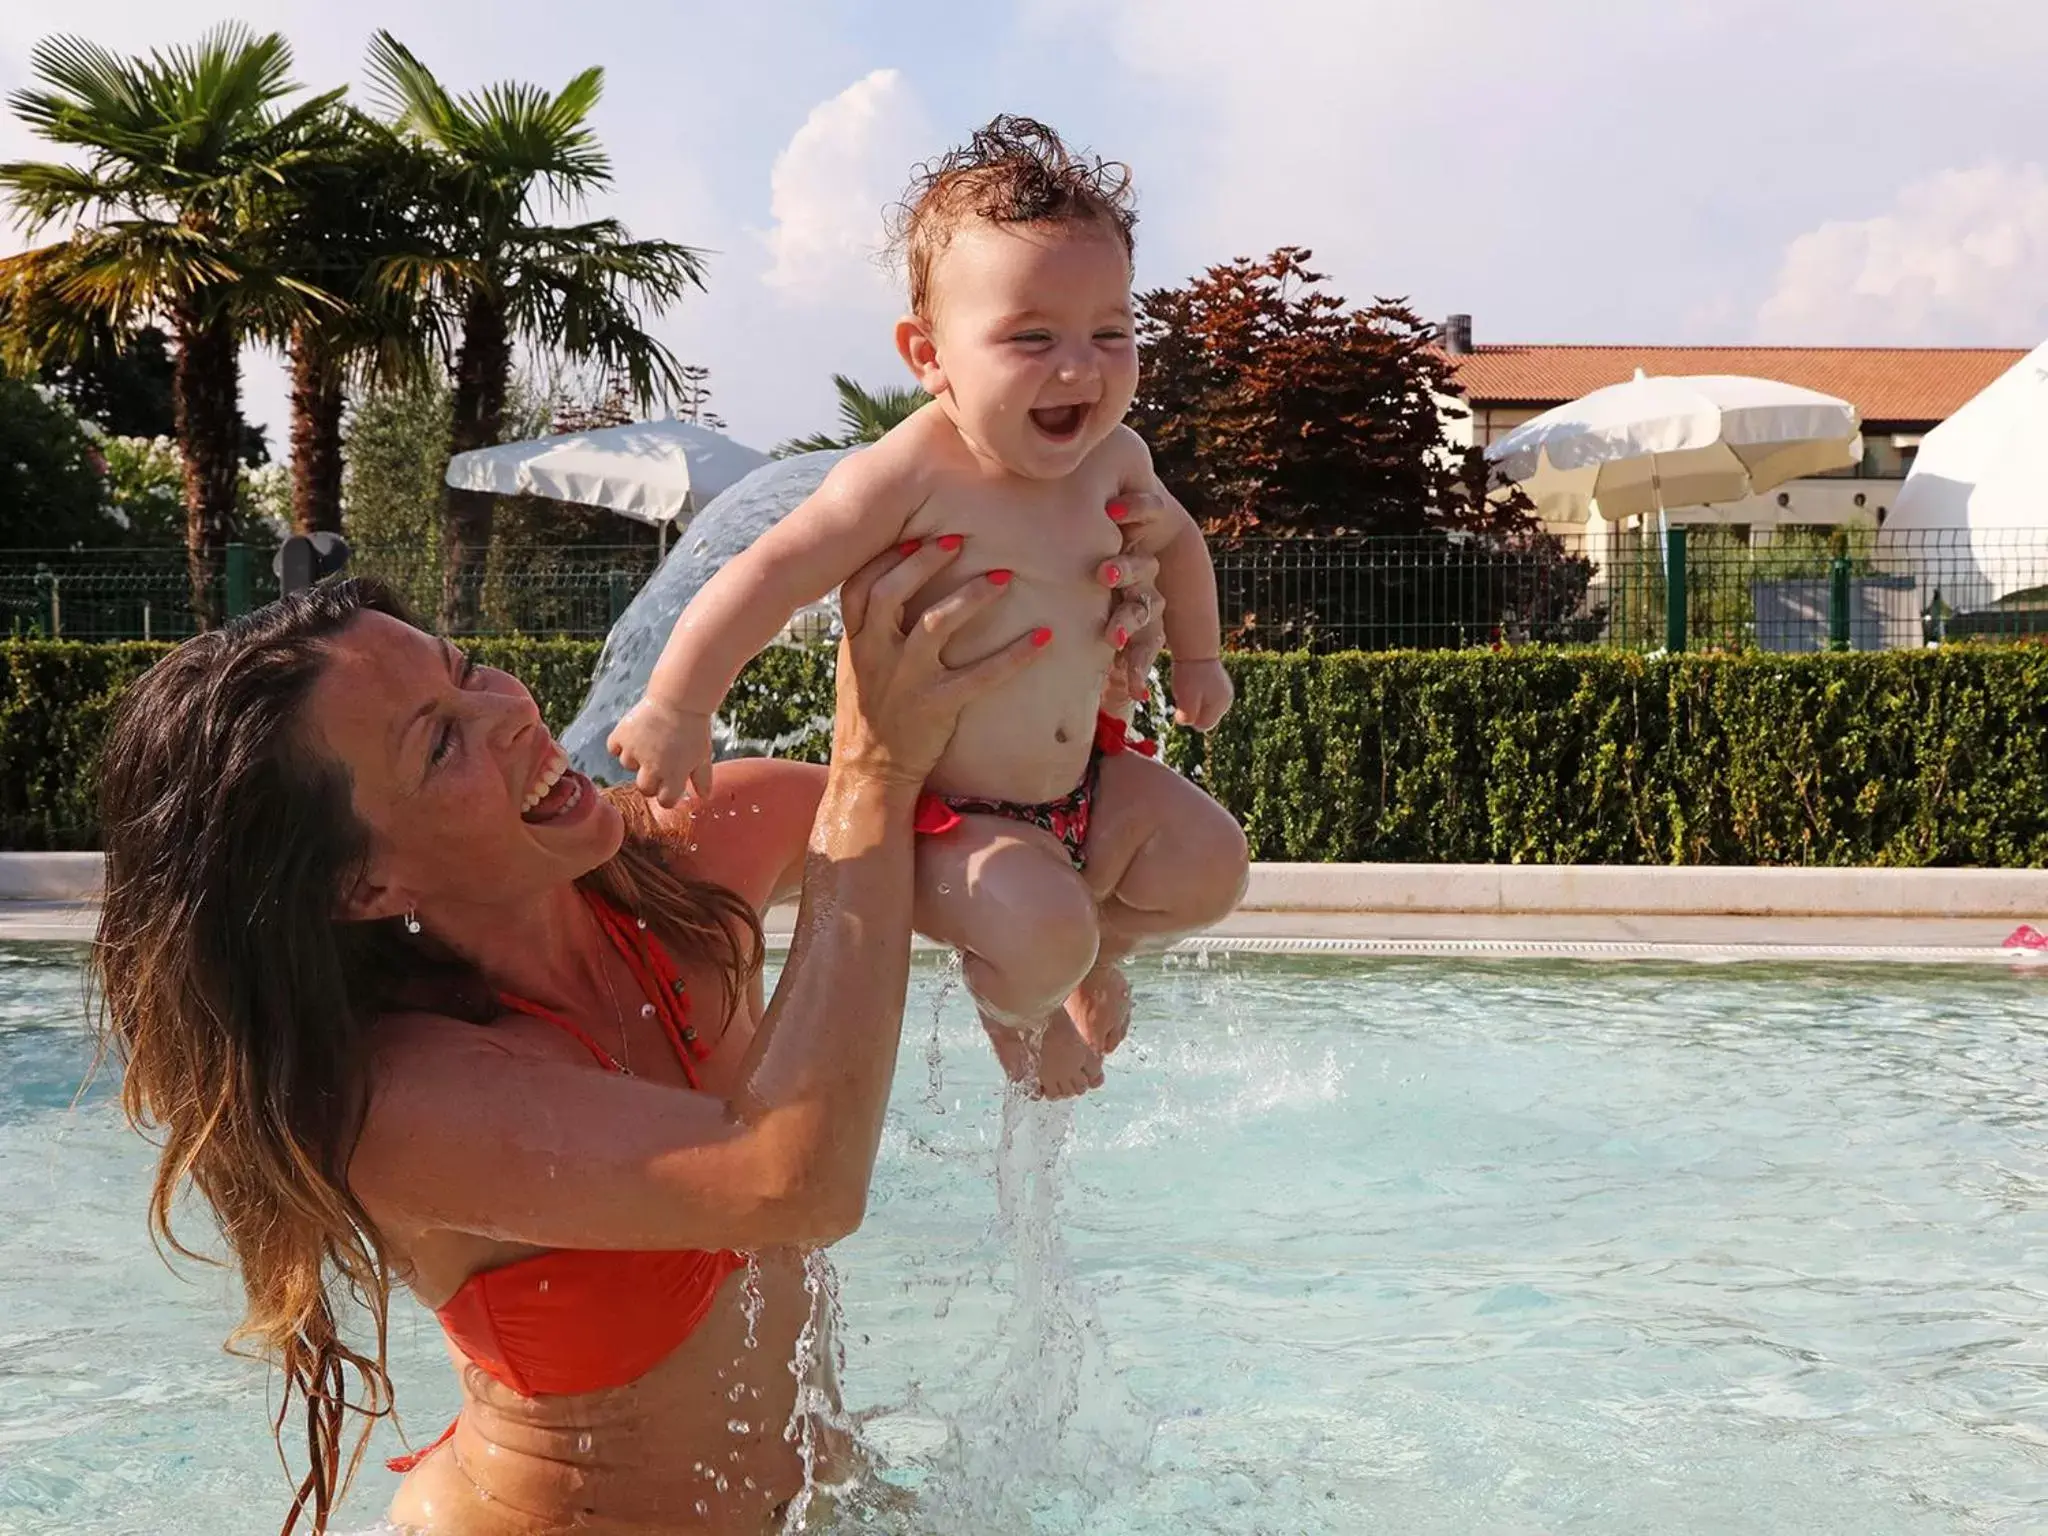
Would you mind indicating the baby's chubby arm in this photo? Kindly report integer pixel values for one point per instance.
(857, 513)
(1202, 691)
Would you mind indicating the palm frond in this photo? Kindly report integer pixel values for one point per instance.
(655, 272)
(220, 90)
(407, 94)
(869, 415)
(86, 82)
(520, 130)
(817, 442)
(43, 192)
(865, 416)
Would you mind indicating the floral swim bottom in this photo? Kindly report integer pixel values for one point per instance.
(1065, 818)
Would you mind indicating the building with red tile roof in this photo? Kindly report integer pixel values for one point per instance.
(1900, 392)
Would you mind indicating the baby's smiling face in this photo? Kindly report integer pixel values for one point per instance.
(1029, 345)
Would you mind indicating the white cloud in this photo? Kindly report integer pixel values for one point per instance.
(807, 296)
(830, 187)
(1961, 257)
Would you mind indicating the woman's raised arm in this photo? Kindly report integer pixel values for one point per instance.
(468, 1133)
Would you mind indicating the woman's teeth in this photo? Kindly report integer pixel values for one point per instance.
(557, 765)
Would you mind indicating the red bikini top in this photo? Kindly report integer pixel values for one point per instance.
(582, 1319)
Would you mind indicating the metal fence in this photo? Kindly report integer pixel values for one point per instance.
(1729, 588)
(1699, 587)
(146, 594)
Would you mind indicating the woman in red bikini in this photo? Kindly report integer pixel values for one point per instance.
(406, 999)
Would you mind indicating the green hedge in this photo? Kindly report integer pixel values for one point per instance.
(56, 698)
(1581, 757)
(1534, 756)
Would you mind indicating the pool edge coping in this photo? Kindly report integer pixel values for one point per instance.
(1494, 889)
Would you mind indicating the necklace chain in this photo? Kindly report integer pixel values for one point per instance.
(604, 972)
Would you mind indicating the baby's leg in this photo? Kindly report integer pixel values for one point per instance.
(1008, 898)
(1164, 860)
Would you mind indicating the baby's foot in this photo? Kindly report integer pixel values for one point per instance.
(1012, 1050)
(1063, 1066)
(1101, 1008)
(1068, 1066)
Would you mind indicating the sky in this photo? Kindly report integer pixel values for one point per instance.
(1688, 171)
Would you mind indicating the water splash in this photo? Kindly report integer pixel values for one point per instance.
(750, 1298)
(736, 517)
(953, 975)
(815, 1409)
(1055, 1434)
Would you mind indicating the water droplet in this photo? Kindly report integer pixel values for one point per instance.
(583, 1443)
(738, 1391)
(700, 549)
(642, 922)
(737, 1426)
(544, 1287)
(945, 890)
(647, 1010)
(722, 1485)
(748, 1481)
(757, 810)
(703, 1508)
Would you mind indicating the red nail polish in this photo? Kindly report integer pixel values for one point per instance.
(951, 542)
(1143, 695)
(1118, 511)
(1041, 638)
(1000, 578)
(1113, 574)
(1123, 637)
(909, 547)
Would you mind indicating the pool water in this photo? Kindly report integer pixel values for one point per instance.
(1399, 1246)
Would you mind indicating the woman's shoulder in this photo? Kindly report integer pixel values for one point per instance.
(750, 835)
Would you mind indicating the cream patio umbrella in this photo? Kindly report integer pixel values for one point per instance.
(652, 471)
(1653, 444)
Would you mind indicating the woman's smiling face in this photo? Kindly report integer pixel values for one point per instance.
(467, 798)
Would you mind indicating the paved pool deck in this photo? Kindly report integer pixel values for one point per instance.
(1482, 911)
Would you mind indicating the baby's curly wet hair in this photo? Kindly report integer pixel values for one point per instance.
(1014, 171)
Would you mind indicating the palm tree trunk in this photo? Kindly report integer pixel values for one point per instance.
(205, 390)
(318, 398)
(483, 375)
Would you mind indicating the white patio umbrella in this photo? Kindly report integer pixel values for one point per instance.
(1971, 513)
(1681, 441)
(652, 471)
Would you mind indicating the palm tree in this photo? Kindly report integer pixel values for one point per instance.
(864, 417)
(508, 155)
(184, 151)
(352, 222)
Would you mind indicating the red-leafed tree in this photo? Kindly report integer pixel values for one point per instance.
(1276, 411)
(1273, 407)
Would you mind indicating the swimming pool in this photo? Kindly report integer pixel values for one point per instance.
(1402, 1246)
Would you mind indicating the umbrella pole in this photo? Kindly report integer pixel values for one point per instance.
(1663, 528)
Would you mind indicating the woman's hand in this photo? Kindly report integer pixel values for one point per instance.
(1137, 618)
(898, 702)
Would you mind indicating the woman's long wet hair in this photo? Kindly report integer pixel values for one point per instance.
(242, 1007)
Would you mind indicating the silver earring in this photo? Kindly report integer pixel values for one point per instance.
(412, 921)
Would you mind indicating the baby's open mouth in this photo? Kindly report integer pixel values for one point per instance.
(1059, 422)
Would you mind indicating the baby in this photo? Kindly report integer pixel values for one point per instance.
(1050, 848)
